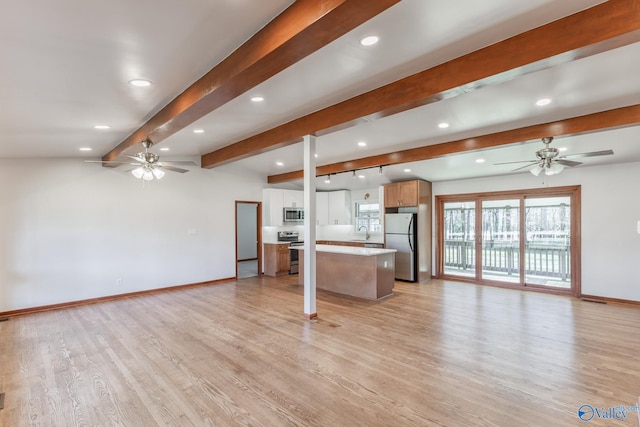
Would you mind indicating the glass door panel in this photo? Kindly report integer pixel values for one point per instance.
(459, 239)
(548, 244)
(501, 240)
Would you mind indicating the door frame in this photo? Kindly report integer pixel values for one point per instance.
(572, 191)
(258, 232)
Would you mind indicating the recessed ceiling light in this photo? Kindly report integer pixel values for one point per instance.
(279, 163)
(562, 149)
(101, 127)
(361, 176)
(362, 144)
(479, 160)
(198, 131)
(164, 149)
(257, 99)
(443, 125)
(369, 41)
(139, 82)
(407, 170)
(316, 155)
(543, 101)
(85, 148)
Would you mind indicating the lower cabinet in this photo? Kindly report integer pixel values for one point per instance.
(276, 259)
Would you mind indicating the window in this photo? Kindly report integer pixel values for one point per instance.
(368, 215)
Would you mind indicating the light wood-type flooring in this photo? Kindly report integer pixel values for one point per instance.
(242, 353)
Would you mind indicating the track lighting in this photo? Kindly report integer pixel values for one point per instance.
(355, 173)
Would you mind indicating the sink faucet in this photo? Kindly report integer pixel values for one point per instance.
(366, 231)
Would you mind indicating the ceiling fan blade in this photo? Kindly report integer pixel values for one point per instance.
(178, 163)
(519, 161)
(569, 163)
(109, 162)
(525, 166)
(137, 159)
(591, 154)
(174, 169)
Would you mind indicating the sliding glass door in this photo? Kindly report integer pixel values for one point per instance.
(518, 239)
(547, 249)
(459, 238)
(501, 240)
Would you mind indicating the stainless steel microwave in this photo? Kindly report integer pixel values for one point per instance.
(293, 214)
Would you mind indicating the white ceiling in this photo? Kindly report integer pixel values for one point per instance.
(68, 63)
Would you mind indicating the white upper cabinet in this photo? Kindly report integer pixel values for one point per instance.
(322, 208)
(272, 204)
(339, 207)
(293, 199)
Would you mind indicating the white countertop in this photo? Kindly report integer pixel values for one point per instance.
(349, 250)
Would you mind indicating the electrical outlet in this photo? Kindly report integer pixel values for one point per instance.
(119, 282)
(385, 264)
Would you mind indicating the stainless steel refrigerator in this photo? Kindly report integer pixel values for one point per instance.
(400, 234)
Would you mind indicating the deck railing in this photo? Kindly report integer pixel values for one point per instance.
(550, 260)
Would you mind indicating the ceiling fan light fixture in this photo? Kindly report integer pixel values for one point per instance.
(138, 172)
(147, 175)
(554, 169)
(158, 173)
(536, 170)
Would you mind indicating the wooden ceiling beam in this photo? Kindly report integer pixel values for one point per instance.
(610, 119)
(303, 28)
(601, 28)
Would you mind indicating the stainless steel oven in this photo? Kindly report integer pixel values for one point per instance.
(294, 261)
(294, 238)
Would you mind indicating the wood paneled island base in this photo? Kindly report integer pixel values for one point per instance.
(359, 272)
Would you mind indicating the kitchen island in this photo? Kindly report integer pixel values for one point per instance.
(359, 272)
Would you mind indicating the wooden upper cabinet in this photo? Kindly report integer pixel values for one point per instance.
(400, 194)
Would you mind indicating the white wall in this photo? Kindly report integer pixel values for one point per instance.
(71, 230)
(610, 212)
(247, 231)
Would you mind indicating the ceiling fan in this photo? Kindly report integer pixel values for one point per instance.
(549, 160)
(148, 165)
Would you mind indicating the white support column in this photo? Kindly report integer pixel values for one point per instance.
(310, 227)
